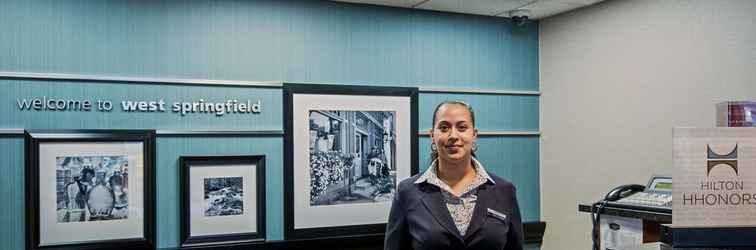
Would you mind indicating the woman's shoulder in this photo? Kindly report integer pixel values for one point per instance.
(408, 183)
(501, 183)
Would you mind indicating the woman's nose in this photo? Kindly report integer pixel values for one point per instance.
(453, 133)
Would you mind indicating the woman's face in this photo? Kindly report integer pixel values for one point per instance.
(454, 133)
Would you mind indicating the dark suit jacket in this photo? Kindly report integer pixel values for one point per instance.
(419, 219)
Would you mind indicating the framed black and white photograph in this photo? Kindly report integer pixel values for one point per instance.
(223, 199)
(346, 150)
(90, 188)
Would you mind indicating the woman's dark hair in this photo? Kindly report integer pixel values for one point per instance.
(434, 153)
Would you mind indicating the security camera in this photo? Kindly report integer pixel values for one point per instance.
(519, 20)
(519, 17)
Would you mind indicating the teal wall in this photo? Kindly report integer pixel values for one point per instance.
(296, 41)
(291, 41)
(170, 149)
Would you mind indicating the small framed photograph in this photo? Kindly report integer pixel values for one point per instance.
(90, 189)
(346, 150)
(223, 199)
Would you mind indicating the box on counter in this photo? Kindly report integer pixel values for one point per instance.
(736, 114)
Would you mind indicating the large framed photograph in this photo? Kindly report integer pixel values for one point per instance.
(90, 189)
(223, 199)
(346, 150)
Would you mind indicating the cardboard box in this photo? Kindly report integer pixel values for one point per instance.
(736, 114)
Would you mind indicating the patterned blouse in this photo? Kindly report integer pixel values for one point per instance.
(460, 207)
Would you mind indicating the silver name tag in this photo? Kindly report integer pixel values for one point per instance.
(497, 214)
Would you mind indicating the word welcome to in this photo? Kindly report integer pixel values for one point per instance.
(84, 105)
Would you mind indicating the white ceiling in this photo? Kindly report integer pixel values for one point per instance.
(538, 8)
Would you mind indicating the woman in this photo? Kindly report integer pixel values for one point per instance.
(455, 204)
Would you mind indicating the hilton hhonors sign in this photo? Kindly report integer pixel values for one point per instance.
(714, 177)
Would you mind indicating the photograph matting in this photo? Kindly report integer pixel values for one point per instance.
(201, 225)
(222, 200)
(54, 233)
(307, 216)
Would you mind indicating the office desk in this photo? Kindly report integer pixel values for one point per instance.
(654, 232)
(662, 246)
(651, 220)
(660, 218)
(647, 246)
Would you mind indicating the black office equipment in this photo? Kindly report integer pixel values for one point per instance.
(715, 237)
(656, 197)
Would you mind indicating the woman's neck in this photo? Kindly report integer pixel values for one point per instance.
(455, 173)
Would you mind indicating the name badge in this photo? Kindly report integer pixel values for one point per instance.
(497, 214)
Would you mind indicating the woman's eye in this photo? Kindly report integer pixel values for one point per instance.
(462, 128)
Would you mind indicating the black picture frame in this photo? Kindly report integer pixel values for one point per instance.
(35, 138)
(219, 240)
(349, 231)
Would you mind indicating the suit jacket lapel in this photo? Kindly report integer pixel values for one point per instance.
(485, 200)
(433, 201)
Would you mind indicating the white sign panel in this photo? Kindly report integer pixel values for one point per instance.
(714, 177)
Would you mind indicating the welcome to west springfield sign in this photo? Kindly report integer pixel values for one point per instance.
(714, 177)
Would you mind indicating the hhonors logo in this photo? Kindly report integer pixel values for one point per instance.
(713, 159)
(717, 190)
(715, 177)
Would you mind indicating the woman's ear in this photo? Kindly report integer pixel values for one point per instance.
(475, 133)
